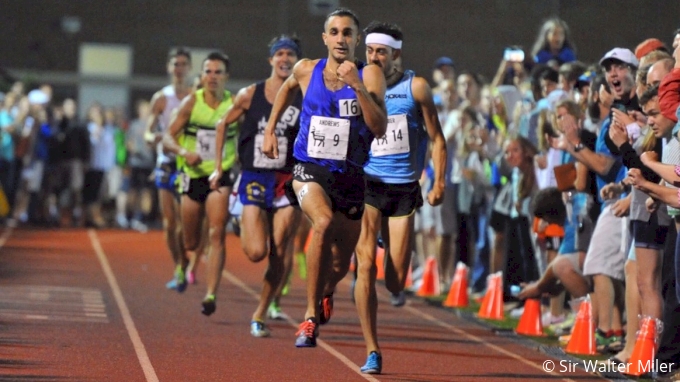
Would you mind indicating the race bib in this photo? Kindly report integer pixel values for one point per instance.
(184, 183)
(349, 107)
(290, 116)
(205, 144)
(395, 140)
(262, 161)
(328, 138)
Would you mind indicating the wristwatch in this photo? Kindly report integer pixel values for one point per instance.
(579, 147)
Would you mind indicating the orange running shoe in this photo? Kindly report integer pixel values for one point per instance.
(325, 309)
(307, 333)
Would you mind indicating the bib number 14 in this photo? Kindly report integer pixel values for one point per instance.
(395, 140)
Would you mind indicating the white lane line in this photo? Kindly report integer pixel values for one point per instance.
(480, 340)
(5, 236)
(142, 356)
(474, 338)
(354, 367)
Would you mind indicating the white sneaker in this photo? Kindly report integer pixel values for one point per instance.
(122, 221)
(548, 319)
(517, 312)
(138, 226)
(398, 299)
(259, 329)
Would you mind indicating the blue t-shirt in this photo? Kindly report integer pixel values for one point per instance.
(6, 141)
(565, 55)
(618, 171)
(399, 156)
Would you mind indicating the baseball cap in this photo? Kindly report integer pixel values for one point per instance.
(648, 46)
(620, 54)
(585, 79)
(443, 61)
(669, 98)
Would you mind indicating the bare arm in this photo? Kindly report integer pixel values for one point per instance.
(665, 171)
(661, 193)
(287, 92)
(236, 110)
(177, 124)
(599, 163)
(284, 98)
(500, 74)
(423, 96)
(158, 102)
(581, 177)
(371, 96)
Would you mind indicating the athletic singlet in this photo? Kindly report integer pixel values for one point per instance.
(199, 137)
(171, 103)
(399, 156)
(332, 133)
(251, 133)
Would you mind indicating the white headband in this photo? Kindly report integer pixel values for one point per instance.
(384, 39)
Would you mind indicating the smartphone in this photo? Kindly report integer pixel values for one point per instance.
(513, 54)
(620, 106)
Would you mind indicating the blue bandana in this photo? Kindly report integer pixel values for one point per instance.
(285, 43)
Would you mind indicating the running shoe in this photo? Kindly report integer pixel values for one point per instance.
(307, 333)
(208, 305)
(172, 284)
(258, 329)
(302, 265)
(373, 364)
(274, 311)
(191, 277)
(564, 326)
(181, 278)
(286, 287)
(548, 319)
(325, 309)
(398, 299)
(603, 341)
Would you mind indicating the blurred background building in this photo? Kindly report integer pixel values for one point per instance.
(115, 51)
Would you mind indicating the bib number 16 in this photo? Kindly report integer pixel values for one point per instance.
(349, 107)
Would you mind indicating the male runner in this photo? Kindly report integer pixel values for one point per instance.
(191, 136)
(393, 194)
(268, 221)
(163, 103)
(342, 111)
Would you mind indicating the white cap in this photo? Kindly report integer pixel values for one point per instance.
(621, 54)
(37, 97)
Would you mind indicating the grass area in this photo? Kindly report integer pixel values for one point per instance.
(507, 324)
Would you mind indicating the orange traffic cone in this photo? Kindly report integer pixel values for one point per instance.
(309, 240)
(642, 359)
(582, 339)
(458, 296)
(530, 323)
(409, 279)
(430, 285)
(380, 263)
(492, 305)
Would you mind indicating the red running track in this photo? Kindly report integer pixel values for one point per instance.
(85, 305)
